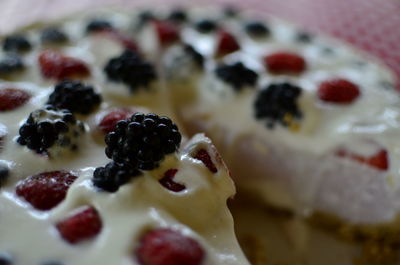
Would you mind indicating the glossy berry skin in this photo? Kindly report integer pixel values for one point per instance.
(168, 181)
(12, 98)
(46, 190)
(167, 32)
(378, 161)
(285, 63)
(16, 43)
(227, 43)
(112, 176)
(54, 64)
(164, 246)
(109, 121)
(82, 226)
(74, 96)
(237, 75)
(204, 157)
(338, 91)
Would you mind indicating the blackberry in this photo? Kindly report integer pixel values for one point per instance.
(178, 15)
(51, 131)
(131, 69)
(257, 29)
(4, 173)
(143, 18)
(112, 176)
(277, 102)
(206, 26)
(16, 43)
(12, 63)
(5, 259)
(74, 96)
(231, 11)
(142, 141)
(195, 55)
(237, 75)
(53, 35)
(98, 25)
(182, 61)
(304, 37)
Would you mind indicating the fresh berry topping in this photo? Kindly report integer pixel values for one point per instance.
(182, 61)
(178, 15)
(82, 226)
(142, 141)
(167, 32)
(237, 75)
(378, 161)
(5, 259)
(12, 98)
(195, 55)
(168, 181)
(143, 18)
(16, 43)
(206, 26)
(12, 63)
(112, 176)
(231, 11)
(257, 29)
(164, 246)
(109, 121)
(131, 69)
(74, 96)
(53, 35)
(98, 25)
(4, 173)
(51, 131)
(46, 190)
(338, 91)
(304, 37)
(55, 65)
(204, 157)
(285, 63)
(278, 103)
(227, 43)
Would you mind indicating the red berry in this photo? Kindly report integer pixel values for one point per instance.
(167, 247)
(204, 157)
(168, 182)
(12, 98)
(81, 226)
(167, 32)
(45, 190)
(227, 43)
(379, 160)
(338, 91)
(285, 63)
(108, 122)
(55, 65)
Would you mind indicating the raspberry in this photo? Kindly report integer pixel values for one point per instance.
(204, 157)
(164, 246)
(131, 69)
(285, 63)
(46, 190)
(51, 131)
(142, 141)
(53, 35)
(109, 121)
(74, 96)
(167, 32)
(276, 102)
(53, 64)
(82, 226)
(338, 91)
(12, 98)
(16, 43)
(227, 43)
(206, 26)
(237, 75)
(98, 25)
(11, 64)
(168, 182)
(112, 176)
(378, 161)
(257, 29)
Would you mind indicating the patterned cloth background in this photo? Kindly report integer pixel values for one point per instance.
(372, 25)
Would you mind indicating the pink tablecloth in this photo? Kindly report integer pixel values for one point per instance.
(373, 25)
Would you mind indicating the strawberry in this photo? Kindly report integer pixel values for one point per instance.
(168, 182)
(53, 64)
(12, 98)
(167, 32)
(285, 63)
(227, 43)
(81, 226)
(204, 157)
(378, 161)
(45, 190)
(338, 91)
(108, 122)
(164, 246)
